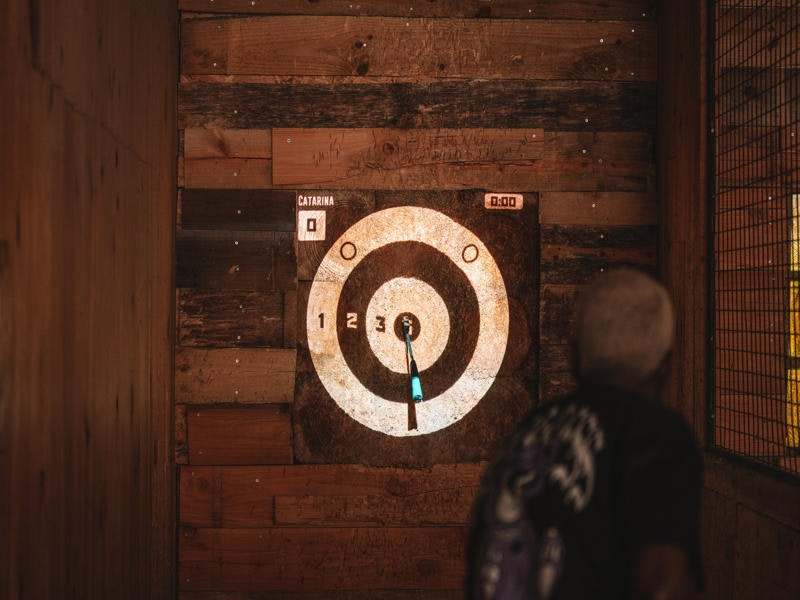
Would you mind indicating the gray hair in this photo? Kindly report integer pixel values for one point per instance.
(624, 328)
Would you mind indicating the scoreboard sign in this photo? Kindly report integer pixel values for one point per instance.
(447, 284)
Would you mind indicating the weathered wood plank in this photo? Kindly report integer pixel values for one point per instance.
(401, 47)
(322, 595)
(718, 529)
(234, 375)
(555, 374)
(240, 497)
(230, 318)
(775, 498)
(181, 443)
(239, 436)
(240, 260)
(227, 158)
(238, 210)
(574, 254)
(228, 173)
(290, 319)
(552, 105)
(461, 159)
(344, 558)
(446, 507)
(765, 549)
(508, 9)
(227, 143)
(557, 304)
(597, 208)
(313, 155)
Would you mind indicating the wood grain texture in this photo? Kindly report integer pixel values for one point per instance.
(238, 210)
(87, 212)
(226, 158)
(227, 143)
(239, 436)
(234, 375)
(362, 558)
(508, 9)
(751, 518)
(575, 254)
(229, 173)
(461, 158)
(450, 507)
(323, 595)
(598, 208)
(556, 309)
(231, 319)
(180, 436)
(246, 496)
(551, 105)
(401, 47)
(236, 260)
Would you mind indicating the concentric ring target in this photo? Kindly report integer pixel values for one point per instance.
(477, 319)
(456, 331)
(421, 304)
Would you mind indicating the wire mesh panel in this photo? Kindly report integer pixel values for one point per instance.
(755, 78)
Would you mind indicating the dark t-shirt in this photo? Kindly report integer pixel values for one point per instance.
(582, 485)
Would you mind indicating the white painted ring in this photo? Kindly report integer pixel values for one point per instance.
(390, 301)
(468, 252)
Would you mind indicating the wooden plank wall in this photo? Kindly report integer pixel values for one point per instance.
(370, 98)
(87, 172)
(751, 518)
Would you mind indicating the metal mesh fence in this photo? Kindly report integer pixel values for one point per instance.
(755, 104)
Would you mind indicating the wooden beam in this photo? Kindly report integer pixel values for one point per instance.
(598, 208)
(349, 558)
(247, 496)
(243, 436)
(460, 159)
(234, 375)
(414, 48)
(238, 210)
(509, 9)
(243, 260)
(551, 105)
(231, 318)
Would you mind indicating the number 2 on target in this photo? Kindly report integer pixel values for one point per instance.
(352, 320)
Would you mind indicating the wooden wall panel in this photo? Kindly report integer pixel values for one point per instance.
(383, 105)
(240, 375)
(460, 158)
(401, 47)
(86, 285)
(238, 436)
(552, 105)
(625, 10)
(344, 558)
(261, 496)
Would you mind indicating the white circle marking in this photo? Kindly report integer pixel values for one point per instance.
(402, 224)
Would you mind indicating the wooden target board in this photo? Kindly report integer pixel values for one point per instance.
(461, 269)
